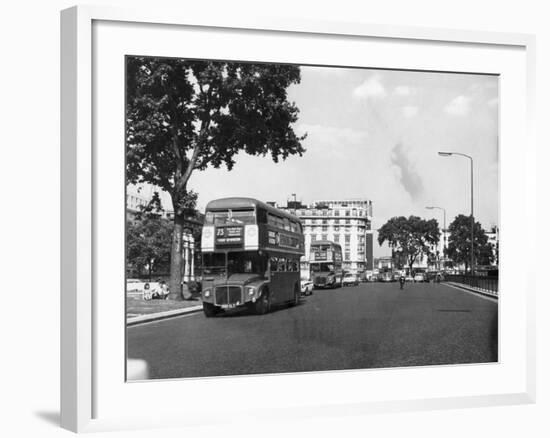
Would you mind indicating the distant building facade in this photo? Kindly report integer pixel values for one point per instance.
(139, 197)
(493, 239)
(347, 222)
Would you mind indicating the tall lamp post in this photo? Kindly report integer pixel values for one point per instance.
(444, 230)
(448, 154)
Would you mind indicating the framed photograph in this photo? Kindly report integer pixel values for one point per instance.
(322, 218)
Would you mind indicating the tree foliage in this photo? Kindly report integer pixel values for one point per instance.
(187, 115)
(409, 237)
(148, 244)
(459, 243)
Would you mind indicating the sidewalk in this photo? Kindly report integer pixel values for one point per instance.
(475, 290)
(140, 311)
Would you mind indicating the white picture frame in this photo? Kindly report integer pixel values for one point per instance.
(84, 372)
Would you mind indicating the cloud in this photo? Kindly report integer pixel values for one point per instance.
(371, 88)
(410, 111)
(459, 106)
(410, 179)
(403, 90)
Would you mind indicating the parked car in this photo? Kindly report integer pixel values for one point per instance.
(307, 287)
(350, 280)
(419, 277)
(409, 279)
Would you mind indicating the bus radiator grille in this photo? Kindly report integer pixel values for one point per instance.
(228, 295)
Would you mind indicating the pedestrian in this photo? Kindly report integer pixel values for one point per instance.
(147, 291)
(163, 290)
(157, 291)
(401, 281)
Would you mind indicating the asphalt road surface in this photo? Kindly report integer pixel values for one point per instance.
(372, 325)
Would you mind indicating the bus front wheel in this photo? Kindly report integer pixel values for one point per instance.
(209, 310)
(263, 305)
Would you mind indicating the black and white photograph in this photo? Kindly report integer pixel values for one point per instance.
(287, 218)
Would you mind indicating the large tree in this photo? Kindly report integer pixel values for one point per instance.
(409, 237)
(148, 243)
(185, 115)
(459, 243)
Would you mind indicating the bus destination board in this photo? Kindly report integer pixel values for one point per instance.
(229, 235)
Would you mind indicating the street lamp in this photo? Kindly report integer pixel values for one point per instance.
(448, 154)
(444, 230)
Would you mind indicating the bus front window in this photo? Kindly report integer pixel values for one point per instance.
(322, 267)
(213, 264)
(246, 263)
(230, 217)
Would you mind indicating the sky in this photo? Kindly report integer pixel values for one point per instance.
(375, 134)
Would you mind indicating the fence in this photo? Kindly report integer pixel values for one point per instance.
(484, 284)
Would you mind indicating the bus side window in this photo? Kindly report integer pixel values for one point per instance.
(273, 264)
(282, 264)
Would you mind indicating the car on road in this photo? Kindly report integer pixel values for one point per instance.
(307, 287)
(419, 277)
(409, 279)
(350, 280)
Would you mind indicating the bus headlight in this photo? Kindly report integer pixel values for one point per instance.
(206, 293)
(250, 291)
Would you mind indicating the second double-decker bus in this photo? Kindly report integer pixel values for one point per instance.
(251, 256)
(325, 264)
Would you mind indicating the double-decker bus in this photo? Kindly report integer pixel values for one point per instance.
(250, 256)
(325, 264)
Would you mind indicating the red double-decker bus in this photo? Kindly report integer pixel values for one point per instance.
(325, 264)
(251, 256)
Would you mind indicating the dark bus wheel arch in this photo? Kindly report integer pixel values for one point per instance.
(209, 310)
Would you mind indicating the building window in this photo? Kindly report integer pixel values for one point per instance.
(337, 238)
(347, 212)
(324, 237)
(346, 256)
(325, 221)
(336, 228)
(336, 212)
(348, 222)
(347, 238)
(324, 229)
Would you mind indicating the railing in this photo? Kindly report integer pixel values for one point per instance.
(484, 284)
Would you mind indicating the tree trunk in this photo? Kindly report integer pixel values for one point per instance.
(176, 259)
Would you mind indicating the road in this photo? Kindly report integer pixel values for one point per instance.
(372, 325)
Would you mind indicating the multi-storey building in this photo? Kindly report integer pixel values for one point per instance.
(345, 221)
(139, 197)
